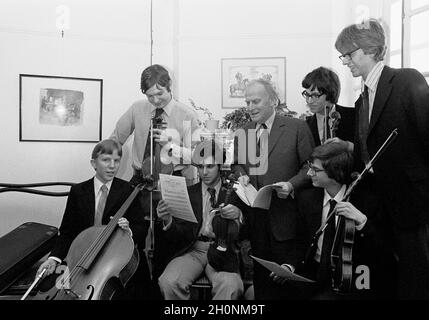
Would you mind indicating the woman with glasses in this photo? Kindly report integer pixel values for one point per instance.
(322, 89)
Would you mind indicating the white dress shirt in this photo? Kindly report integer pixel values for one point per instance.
(372, 83)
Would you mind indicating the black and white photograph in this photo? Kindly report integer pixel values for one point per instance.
(51, 111)
(291, 138)
(237, 73)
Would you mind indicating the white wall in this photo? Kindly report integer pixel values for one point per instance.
(110, 40)
(300, 31)
(107, 40)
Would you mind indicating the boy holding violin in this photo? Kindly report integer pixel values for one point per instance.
(330, 168)
(94, 202)
(193, 240)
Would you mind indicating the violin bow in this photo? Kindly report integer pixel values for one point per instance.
(368, 167)
(34, 283)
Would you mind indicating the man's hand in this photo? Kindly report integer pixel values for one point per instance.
(230, 212)
(279, 279)
(244, 180)
(283, 189)
(50, 266)
(349, 211)
(163, 212)
(124, 224)
(160, 136)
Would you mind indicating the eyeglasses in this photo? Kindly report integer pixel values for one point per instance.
(347, 55)
(307, 95)
(312, 169)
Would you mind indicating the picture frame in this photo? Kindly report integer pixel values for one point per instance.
(237, 72)
(60, 109)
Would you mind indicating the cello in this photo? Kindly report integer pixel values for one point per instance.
(100, 259)
(342, 248)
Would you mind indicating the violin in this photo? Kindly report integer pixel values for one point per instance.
(342, 248)
(152, 166)
(221, 254)
(100, 259)
(335, 122)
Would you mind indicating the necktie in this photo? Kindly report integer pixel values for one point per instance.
(212, 192)
(259, 140)
(327, 127)
(100, 208)
(328, 240)
(156, 119)
(364, 126)
(261, 147)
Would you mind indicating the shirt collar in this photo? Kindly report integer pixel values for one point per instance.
(167, 109)
(338, 197)
(321, 116)
(205, 187)
(269, 122)
(374, 76)
(98, 184)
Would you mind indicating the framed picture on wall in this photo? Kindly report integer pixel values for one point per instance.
(60, 109)
(237, 72)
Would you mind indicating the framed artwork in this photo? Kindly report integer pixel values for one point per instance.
(237, 72)
(60, 109)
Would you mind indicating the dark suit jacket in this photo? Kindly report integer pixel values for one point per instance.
(184, 233)
(290, 145)
(80, 211)
(402, 172)
(368, 249)
(345, 127)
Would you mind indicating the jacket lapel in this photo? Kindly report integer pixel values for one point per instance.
(316, 219)
(383, 92)
(276, 132)
(113, 198)
(312, 123)
(197, 203)
(88, 200)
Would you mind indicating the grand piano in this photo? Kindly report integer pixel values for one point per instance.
(23, 249)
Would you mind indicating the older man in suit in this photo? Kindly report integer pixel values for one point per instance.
(394, 99)
(284, 144)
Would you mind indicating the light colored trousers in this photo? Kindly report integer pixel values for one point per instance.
(182, 271)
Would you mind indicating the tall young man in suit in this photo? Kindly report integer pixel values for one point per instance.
(285, 144)
(394, 99)
(193, 239)
(322, 89)
(93, 202)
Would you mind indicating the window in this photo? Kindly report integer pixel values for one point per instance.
(408, 39)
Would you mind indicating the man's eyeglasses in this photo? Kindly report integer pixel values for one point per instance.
(313, 96)
(348, 55)
(312, 169)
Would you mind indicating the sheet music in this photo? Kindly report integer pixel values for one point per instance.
(280, 271)
(254, 198)
(175, 193)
